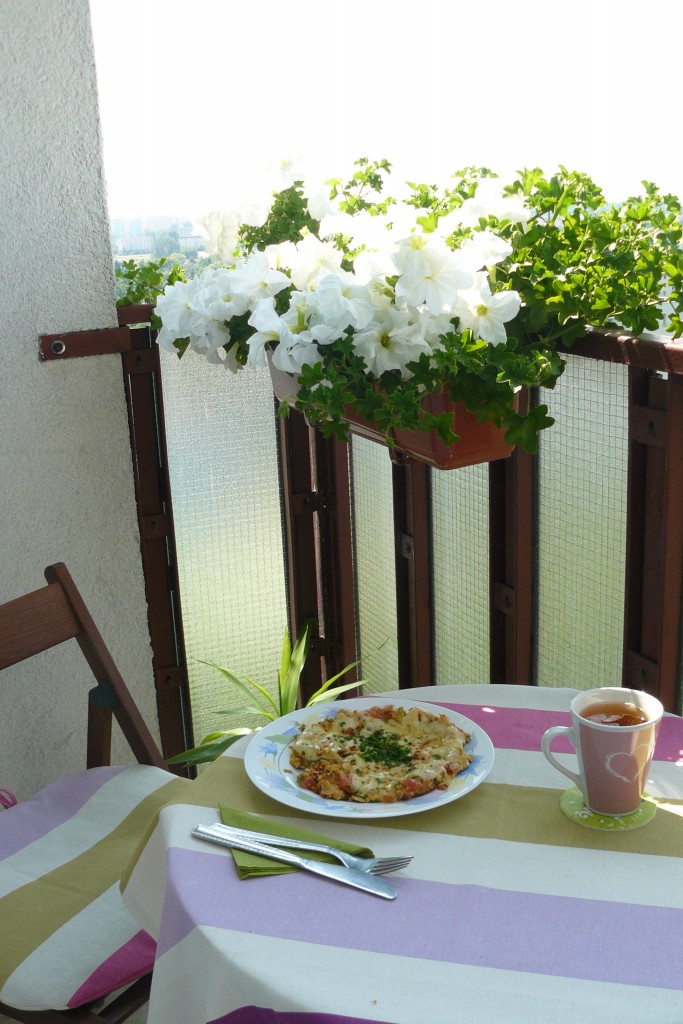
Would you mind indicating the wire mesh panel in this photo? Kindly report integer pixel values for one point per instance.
(582, 477)
(373, 529)
(460, 571)
(222, 451)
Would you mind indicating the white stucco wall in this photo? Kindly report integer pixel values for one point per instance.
(66, 483)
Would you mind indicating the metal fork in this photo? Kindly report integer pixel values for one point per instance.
(371, 865)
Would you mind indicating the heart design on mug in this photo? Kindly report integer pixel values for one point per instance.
(627, 767)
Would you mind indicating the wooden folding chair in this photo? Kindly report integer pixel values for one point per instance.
(69, 948)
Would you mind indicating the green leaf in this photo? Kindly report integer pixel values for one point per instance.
(243, 683)
(289, 689)
(248, 709)
(323, 695)
(285, 662)
(206, 752)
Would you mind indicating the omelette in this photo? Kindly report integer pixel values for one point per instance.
(380, 755)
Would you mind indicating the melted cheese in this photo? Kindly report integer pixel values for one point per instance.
(380, 755)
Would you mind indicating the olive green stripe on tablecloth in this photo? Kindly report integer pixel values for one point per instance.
(63, 893)
(514, 813)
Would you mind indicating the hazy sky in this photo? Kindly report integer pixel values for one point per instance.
(198, 98)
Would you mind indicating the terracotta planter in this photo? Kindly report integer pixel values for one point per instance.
(479, 442)
(138, 314)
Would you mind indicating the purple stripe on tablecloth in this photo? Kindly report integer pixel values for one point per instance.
(522, 728)
(596, 940)
(50, 808)
(259, 1015)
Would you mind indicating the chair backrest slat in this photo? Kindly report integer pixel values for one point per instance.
(34, 623)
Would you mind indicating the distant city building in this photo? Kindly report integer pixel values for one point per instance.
(134, 236)
(180, 224)
(121, 227)
(191, 242)
(132, 245)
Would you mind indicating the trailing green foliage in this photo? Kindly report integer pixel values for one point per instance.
(145, 280)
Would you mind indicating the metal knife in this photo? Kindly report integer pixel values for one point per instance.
(358, 879)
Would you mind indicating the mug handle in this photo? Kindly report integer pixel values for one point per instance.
(546, 740)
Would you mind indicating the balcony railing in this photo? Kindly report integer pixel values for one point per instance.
(321, 552)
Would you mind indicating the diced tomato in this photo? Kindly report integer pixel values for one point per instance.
(384, 714)
(344, 782)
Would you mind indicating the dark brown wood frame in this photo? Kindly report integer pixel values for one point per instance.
(142, 378)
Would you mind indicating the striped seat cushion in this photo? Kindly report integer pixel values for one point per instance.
(66, 937)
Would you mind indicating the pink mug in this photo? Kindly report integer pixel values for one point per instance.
(614, 732)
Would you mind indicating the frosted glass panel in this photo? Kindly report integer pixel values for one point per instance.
(372, 503)
(222, 451)
(582, 528)
(460, 523)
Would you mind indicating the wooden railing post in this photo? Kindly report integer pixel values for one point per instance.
(654, 542)
(414, 612)
(318, 545)
(511, 568)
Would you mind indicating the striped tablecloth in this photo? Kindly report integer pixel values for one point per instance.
(509, 914)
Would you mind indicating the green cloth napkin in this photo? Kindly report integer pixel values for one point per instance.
(251, 865)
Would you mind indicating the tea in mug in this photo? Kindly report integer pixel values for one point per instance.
(614, 714)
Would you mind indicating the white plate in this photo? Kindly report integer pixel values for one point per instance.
(267, 763)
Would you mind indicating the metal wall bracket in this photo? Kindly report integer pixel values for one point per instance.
(306, 502)
(170, 678)
(504, 598)
(406, 545)
(640, 673)
(73, 344)
(154, 526)
(103, 696)
(648, 426)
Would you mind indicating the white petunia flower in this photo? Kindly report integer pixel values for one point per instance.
(284, 173)
(432, 328)
(280, 256)
(431, 274)
(255, 213)
(299, 319)
(220, 231)
(298, 316)
(269, 328)
(183, 313)
(221, 300)
(373, 265)
(390, 342)
(336, 223)
(317, 196)
(301, 350)
(339, 301)
(489, 201)
(255, 278)
(484, 313)
(484, 249)
(226, 359)
(313, 260)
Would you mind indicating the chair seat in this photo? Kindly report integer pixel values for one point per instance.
(66, 937)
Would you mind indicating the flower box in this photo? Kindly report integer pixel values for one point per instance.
(474, 289)
(479, 442)
(139, 313)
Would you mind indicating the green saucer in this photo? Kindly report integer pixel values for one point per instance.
(573, 806)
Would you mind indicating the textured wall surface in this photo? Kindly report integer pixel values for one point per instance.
(66, 483)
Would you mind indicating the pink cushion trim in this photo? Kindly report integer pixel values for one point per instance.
(126, 965)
